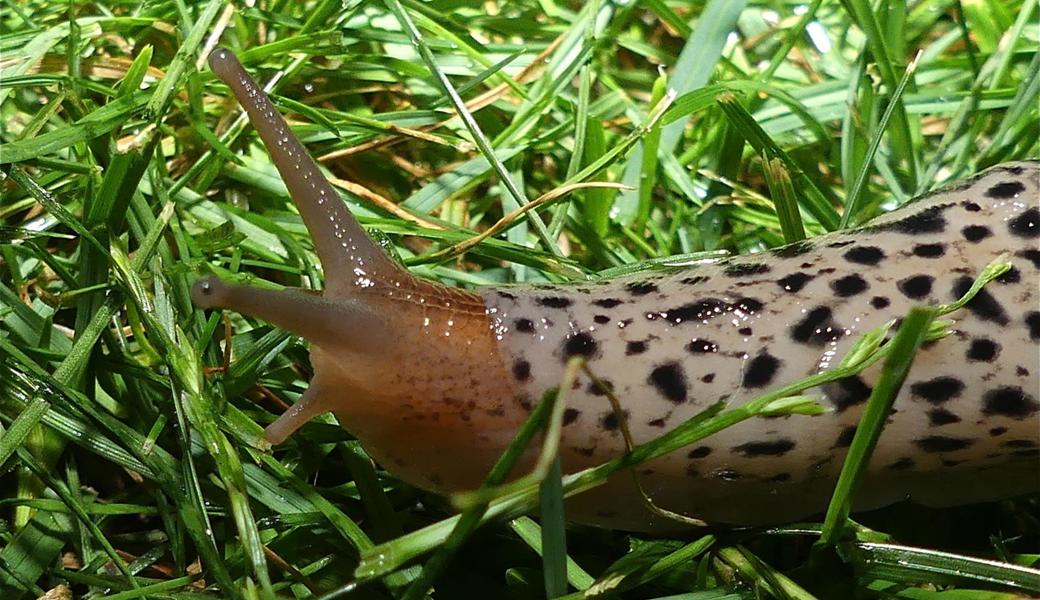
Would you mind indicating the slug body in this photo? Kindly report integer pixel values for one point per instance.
(435, 381)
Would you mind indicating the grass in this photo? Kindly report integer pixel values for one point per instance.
(131, 463)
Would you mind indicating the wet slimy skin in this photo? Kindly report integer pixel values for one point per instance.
(434, 381)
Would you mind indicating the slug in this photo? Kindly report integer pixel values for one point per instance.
(434, 381)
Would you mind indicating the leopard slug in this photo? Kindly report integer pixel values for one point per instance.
(434, 380)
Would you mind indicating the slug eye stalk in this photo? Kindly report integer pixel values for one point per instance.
(347, 253)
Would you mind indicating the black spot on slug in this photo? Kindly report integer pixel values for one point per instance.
(983, 305)
(693, 280)
(848, 286)
(747, 305)
(845, 438)
(601, 319)
(555, 301)
(746, 269)
(770, 448)
(880, 302)
(1026, 225)
(902, 464)
(699, 452)
(793, 249)
(760, 370)
(816, 328)
(998, 431)
(522, 370)
(659, 423)
(745, 331)
(937, 390)
(865, 255)
(929, 220)
(506, 295)
(1032, 320)
(1019, 444)
(1005, 190)
(917, 286)
(670, 381)
(941, 416)
(581, 344)
(694, 311)
(982, 349)
(708, 378)
(702, 346)
(846, 392)
(570, 415)
(1032, 255)
(976, 233)
(610, 420)
(601, 388)
(1012, 275)
(608, 302)
(942, 443)
(971, 206)
(1007, 401)
(641, 288)
(794, 282)
(633, 348)
(524, 325)
(929, 250)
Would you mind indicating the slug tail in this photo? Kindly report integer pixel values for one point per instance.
(344, 326)
(306, 408)
(347, 254)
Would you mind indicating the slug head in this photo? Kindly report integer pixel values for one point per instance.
(385, 345)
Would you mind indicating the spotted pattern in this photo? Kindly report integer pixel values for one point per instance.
(674, 344)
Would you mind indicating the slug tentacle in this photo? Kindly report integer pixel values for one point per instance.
(347, 324)
(349, 257)
(306, 408)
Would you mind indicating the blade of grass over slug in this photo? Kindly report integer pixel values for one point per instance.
(852, 204)
(914, 330)
(518, 497)
(908, 339)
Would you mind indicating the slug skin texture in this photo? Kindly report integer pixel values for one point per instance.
(434, 381)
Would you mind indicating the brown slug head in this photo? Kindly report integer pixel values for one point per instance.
(385, 345)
